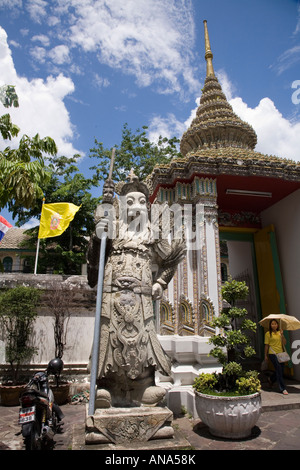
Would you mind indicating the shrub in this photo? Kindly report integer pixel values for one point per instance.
(18, 312)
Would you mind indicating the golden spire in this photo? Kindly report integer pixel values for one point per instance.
(208, 53)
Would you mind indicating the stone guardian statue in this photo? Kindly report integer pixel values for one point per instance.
(138, 268)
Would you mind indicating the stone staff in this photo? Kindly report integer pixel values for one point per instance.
(96, 342)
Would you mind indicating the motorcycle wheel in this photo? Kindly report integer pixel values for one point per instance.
(32, 440)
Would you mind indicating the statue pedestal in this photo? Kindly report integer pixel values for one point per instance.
(127, 425)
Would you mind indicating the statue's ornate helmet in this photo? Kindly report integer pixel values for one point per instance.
(132, 184)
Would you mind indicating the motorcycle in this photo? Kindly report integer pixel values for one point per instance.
(39, 415)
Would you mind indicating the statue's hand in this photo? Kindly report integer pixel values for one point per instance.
(157, 291)
(101, 227)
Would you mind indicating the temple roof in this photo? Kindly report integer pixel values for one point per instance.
(215, 124)
(240, 174)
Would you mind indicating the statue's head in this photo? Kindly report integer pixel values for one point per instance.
(108, 191)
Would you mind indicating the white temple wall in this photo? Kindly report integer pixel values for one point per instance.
(79, 338)
(240, 258)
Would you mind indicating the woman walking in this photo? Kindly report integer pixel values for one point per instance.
(274, 342)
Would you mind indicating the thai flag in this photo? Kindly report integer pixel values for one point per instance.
(4, 226)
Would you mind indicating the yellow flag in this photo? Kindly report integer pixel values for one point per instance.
(55, 218)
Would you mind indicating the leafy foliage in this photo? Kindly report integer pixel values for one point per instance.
(229, 383)
(205, 382)
(7, 128)
(22, 170)
(18, 312)
(135, 151)
(8, 96)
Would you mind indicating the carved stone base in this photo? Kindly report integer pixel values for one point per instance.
(125, 425)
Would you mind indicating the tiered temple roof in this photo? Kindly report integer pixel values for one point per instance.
(218, 143)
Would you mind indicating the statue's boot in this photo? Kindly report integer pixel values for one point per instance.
(153, 395)
(145, 392)
(103, 398)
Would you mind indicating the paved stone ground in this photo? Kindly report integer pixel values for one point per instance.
(278, 427)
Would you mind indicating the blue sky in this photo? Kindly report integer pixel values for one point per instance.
(82, 68)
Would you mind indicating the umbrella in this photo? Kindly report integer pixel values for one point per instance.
(287, 322)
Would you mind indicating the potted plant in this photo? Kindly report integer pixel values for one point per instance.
(229, 403)
(18, 312)
(58, 301)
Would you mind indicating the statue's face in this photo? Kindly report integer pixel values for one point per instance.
(136, 208)
(108, 191)
(136, 204)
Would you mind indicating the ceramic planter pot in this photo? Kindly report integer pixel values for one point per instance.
(10, 394)
(229, 417)
(61, 393)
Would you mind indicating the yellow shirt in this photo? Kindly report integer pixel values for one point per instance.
(274, 342)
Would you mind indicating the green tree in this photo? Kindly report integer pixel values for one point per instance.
(22, 170)
(135, 151)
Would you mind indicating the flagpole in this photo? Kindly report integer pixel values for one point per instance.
(38, 246)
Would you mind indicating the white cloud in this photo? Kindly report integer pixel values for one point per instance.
(150, 39)
(287, 59)
(60, 54)
(227, 86)
(37, 9)
(297, 29)
(11, 4)
(291, 56)
(170, 126)
(42, 38)
(39, 54)
(42, 109)
(166, 127)
(30, 224)
(53, 21)
(14, 43)
(276, 135)
(101, 82)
